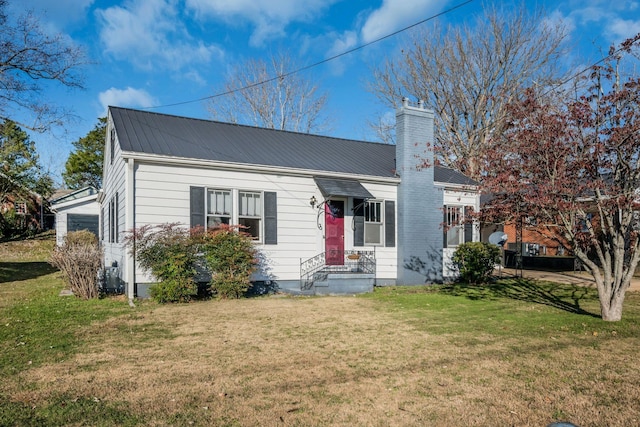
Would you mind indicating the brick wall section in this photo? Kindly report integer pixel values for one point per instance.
(419, 202)
(534, 235)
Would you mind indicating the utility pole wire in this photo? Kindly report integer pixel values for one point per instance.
(324, 61)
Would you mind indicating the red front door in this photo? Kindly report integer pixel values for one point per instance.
(334, 232)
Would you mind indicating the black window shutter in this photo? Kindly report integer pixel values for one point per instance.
(468, 225)
(111, 221)
(270, 218)
(115, 214)
(196, 203)
(444, 227)
(358, 222)
(389, 223)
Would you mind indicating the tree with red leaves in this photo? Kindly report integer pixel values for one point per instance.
(575, 168)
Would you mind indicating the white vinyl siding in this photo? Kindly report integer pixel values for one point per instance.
(458, 198)
(160, 200)
(114, 182)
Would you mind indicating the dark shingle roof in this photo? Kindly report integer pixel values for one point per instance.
(175, 136)
(450, 176)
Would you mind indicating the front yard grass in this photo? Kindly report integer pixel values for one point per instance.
(512, 353)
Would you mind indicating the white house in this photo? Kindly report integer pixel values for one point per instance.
(328, 215)
(78, 210)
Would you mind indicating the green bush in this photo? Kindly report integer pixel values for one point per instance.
(475, 261)
(230, 257)
(167, 252)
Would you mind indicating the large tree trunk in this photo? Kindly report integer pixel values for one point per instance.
(611, 305)
(611, 283)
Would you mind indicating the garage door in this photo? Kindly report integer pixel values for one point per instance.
(76, 222)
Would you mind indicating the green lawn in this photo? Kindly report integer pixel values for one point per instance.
(515, 352)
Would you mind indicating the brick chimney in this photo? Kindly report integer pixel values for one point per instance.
(419, 202)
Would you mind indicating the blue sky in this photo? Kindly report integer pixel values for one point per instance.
(148, 53)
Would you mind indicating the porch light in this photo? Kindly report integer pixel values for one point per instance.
(313, 201)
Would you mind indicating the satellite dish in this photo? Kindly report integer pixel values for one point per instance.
(498, 238)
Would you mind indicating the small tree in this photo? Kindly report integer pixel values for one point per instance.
(576, 169)
(84, 165)
(475, 261)
(230, 257)
(263, 93)
(166, 251)
(79, 259)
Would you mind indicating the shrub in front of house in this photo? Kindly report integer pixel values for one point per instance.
(475, 261)
(168, 253)
(230, 257)
(79, 259)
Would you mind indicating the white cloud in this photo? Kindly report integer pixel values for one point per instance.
(269, 17)
(128, 97)
(556, 18)
(149, 34)
(57, 14)
(343, 42)
(396, 14)
(623, 29)
(607, 18)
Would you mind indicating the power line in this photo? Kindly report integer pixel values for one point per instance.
(316, 64)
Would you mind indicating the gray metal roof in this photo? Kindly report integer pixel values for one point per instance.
(450, 176)
(341, 187)
(183, 137)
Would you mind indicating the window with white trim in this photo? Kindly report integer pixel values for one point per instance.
(247, 212)
(219, 207)
(255, 211)
(454, 225)
(373, 223)
(250, 213)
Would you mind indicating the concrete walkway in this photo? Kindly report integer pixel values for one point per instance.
(569, 277)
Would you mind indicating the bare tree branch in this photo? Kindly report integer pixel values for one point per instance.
(29, 60)
(468, 74)
(284, 103)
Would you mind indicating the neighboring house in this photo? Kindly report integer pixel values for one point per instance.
(20, 207)
(537, 240)
(328, 215)
(76, 210)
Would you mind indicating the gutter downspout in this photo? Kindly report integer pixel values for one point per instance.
(129, 223)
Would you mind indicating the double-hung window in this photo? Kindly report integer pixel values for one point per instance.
(219, 208)
(250, 213)
(454, 225)
(256, 212)
(373, 223)
(243, 208)
(21, 208)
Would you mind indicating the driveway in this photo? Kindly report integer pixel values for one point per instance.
(570, 277)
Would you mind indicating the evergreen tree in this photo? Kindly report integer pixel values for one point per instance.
(84, 165)
(20, 176)
(19, 162)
